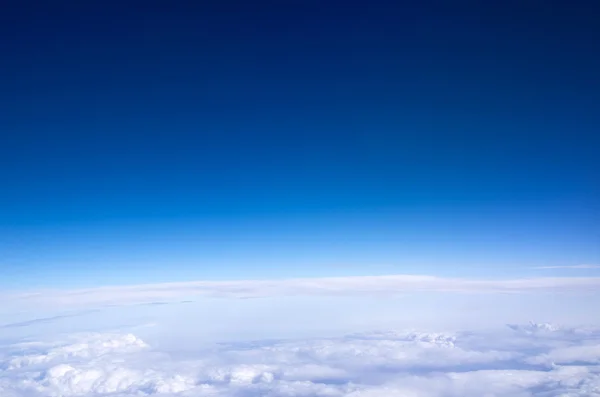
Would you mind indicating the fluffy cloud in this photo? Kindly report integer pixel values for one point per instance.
(216, 347)
(530, 360)
(77, 347)
(173, 292)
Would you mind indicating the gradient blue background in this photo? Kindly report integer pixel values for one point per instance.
(146, 142)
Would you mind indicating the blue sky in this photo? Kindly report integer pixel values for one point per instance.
(281, 141)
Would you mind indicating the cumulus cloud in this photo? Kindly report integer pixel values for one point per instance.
(79, 347)
(372, 285)
(558, 361)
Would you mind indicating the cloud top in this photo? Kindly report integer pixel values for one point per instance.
(502, 363)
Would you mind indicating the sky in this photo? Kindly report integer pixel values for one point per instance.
(269, 140)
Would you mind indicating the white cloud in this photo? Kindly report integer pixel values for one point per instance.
(83, 347)
(44, 353)
(579, 354)
(560, 361)
(569, 267)
(340, 286)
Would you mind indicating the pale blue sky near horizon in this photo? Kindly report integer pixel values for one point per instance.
(478, 243)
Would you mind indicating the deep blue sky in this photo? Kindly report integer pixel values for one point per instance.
(145, 142)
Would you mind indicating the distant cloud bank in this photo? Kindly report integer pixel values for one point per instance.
(340, 286)
(569, 267)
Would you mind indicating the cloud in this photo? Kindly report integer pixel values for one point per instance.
(76, 347)
(374, 364)
(45, 320)
(588, 353)
(552, 330)
(569, 267)
(341, 286)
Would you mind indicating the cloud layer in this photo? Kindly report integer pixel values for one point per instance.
(396, 284)
(522, 360)
(570, 267)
